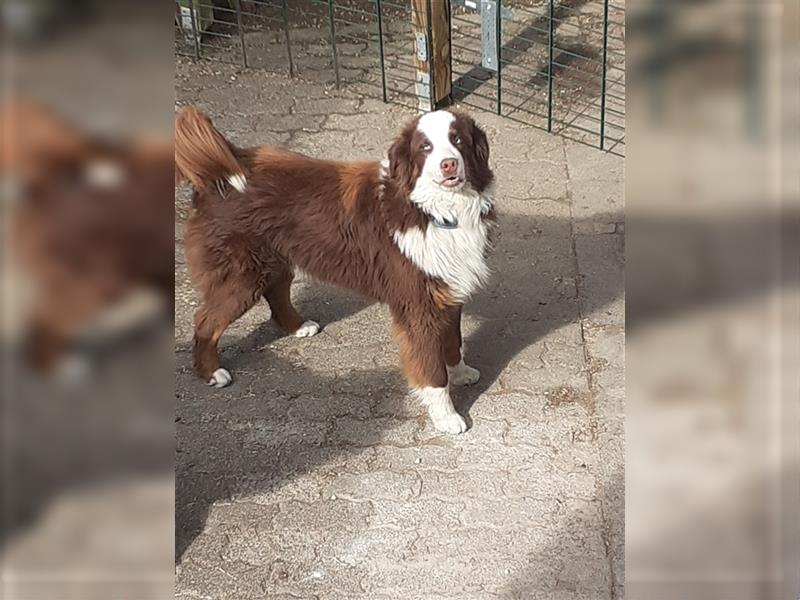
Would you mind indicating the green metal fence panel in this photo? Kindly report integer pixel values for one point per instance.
(554, 64)
(560, 65)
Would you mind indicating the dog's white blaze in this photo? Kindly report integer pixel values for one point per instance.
(238, 182)
(436, 127)
(440, 408)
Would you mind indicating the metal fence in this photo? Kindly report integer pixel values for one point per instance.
(554, 64)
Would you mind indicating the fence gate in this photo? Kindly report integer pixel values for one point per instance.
(554, 64)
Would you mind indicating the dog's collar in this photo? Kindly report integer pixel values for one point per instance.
(444, 224)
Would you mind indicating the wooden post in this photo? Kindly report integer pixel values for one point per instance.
(431, 24)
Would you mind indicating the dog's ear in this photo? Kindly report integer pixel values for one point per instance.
(476, 157)
(403, 170)
(399, 155)
(481, 145)
(400, 161)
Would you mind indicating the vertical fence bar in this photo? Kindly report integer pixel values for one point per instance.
(450, 45)
(380, 42)
(285, 17)
(499, 47)
(603, 82)
(431, 60)
(238, 8)
(550, 38)
(195, 32)
(333, 43)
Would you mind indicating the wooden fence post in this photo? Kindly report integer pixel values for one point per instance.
(431, 25)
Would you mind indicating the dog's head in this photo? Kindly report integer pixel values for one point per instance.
(443, 150)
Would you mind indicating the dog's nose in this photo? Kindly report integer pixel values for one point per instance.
(449, 167)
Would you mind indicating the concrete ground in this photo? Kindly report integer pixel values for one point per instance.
(315, 475)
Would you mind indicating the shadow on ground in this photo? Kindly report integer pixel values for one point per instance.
(521, 306)
(528, 299)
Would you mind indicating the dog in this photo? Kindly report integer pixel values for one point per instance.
(90, 227)
(412, 232)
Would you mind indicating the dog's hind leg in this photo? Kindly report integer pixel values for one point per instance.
(278, 295)
(221, 307)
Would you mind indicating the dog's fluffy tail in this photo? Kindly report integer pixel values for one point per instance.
(202, 154)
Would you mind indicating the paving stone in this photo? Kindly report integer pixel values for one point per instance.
(373, 431)
(329, 513)
(418, 456)
(600, 262)
(595, 182)
(423, 514)
(462, 483)
(387, 485)
(605, 346)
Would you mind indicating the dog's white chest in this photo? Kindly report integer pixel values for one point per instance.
(456, 256)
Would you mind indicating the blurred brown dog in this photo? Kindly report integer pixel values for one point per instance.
(90, 223)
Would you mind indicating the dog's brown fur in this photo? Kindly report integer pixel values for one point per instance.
(203, 156)
(333, 220)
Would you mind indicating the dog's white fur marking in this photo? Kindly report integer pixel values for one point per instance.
(457, 256)
(220, 378)
(307, 329)
(238, 182)
(436, 127)
(441, 410)
(463, 374)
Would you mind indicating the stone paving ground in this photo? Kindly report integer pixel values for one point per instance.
(315, 475)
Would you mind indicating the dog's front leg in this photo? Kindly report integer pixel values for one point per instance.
(459, 373)
(426, 371)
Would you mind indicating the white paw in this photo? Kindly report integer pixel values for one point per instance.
(220, 378)
(441, 410)
(463, 374)
(307, 329)
(449, 422)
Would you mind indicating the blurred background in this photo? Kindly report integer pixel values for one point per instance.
(712, 297)
(88, 263)
(712, 293)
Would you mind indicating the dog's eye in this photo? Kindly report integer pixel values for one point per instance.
(426, 147)
(458, 140)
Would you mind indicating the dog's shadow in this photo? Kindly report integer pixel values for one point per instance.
(274, 423)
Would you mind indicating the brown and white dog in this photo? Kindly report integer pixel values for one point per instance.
(91, 228)
(412, 234)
